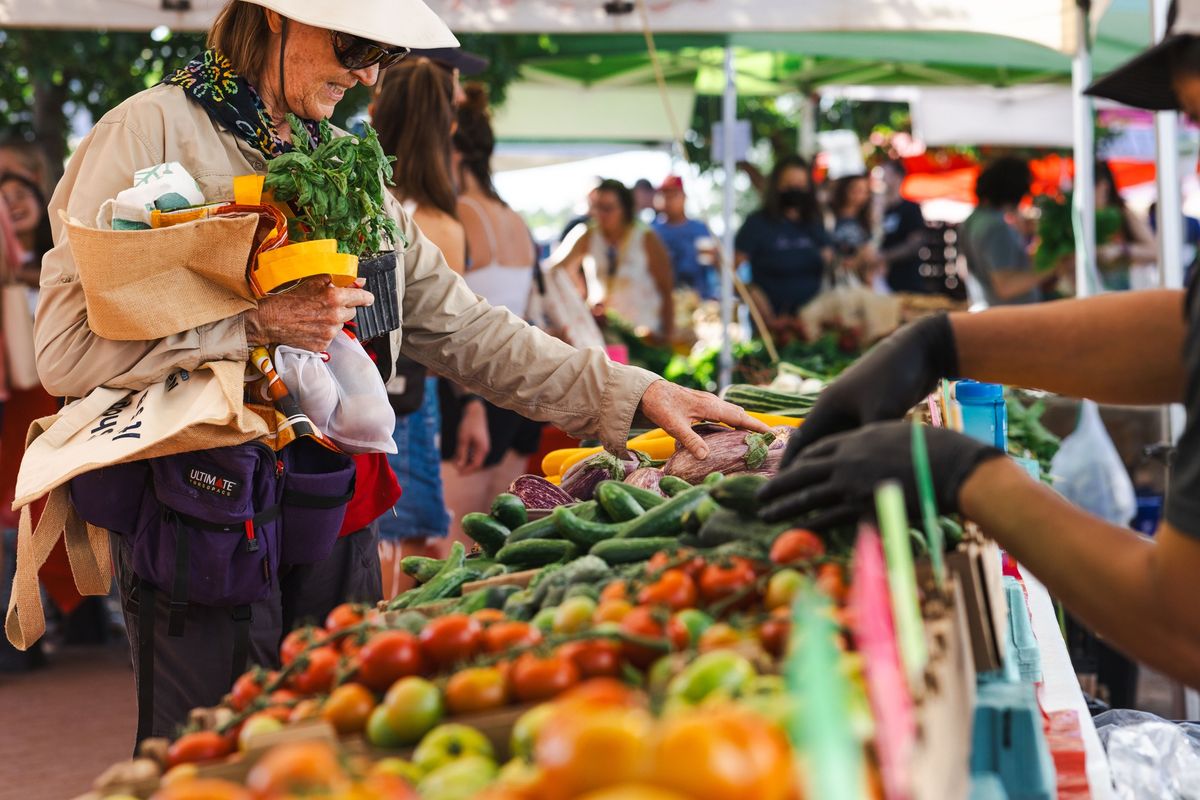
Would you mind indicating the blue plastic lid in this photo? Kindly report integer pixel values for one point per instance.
(975, 392)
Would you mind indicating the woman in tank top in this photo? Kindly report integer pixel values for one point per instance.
(621, 264)
(500, 264)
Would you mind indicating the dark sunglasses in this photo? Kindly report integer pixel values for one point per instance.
(355, 52)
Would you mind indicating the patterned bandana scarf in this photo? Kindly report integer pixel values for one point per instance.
(210, 80)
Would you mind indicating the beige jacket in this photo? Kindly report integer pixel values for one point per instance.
(446, 327)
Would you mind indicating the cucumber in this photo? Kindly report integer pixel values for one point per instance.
(645, 498)
(472, 602)
(581, 532)
(520, 605)
(422, 569)
(543, 528)
(437, 587)
(492, 570)
(626, 551)
(725, 525)
(535, 553)
(667, 519)
(617, 502)
(509, 511)
(672, 485)
(740, 492)
(497, 596)
(712, 479)
(490, 534)
(695, 518)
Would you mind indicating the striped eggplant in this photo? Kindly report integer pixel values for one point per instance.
(732, 452)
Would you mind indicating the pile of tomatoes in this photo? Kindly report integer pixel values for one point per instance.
(393, 686)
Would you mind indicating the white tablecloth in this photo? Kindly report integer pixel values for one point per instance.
(1060, 688)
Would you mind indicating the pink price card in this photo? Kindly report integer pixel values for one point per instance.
(887, 687)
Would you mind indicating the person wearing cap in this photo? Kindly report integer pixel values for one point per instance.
(1132, 348)
(689, 242)
(221, 116)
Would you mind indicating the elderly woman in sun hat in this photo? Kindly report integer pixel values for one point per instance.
(221, 116)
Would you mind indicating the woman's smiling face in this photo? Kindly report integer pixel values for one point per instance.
(314, 79)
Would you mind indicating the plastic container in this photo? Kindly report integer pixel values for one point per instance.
(1007, 740)
(984, 416)
(1022, 646)
(383, 316)
(1149, 512)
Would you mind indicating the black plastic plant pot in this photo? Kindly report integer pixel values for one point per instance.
(384, 315)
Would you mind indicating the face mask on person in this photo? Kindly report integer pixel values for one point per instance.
(793, 199)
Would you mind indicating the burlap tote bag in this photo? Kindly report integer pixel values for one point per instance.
(148, 284)
(186, 411)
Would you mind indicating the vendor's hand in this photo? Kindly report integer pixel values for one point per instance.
(474, 441)
(674, 409)
(835, 480)
(308, 317)
(884, 384)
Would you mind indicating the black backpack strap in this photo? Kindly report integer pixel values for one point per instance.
(179, 587)
(324, 502)
(242, 615)
(145, 659)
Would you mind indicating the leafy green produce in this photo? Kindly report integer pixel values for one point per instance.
(1056, 230)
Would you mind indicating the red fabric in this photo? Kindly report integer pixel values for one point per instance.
(21, 409)
(552, 439)
(375, 491)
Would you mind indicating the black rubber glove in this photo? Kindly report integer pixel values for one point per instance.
(834, 481)
(884, 384)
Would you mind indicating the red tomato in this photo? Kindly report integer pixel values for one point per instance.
(298, 641)
(614, 590)
(718, 582)
(596, 658)
(448, 640)
(831, 579)
(797, 545)
(682, 559)
(343, 616)
(192, 748)
(246, 689)
(503, 636)
(317, 677)
(674, 589)
(535, 678)
(648, 623)
(774, 635)
(387, 657)
(477, 689)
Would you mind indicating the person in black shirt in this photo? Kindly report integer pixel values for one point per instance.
(1137, 348)
(903, 233)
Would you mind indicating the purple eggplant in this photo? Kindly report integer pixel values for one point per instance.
(537, 492)
(581, 480)
(646, 478)
(732, 452)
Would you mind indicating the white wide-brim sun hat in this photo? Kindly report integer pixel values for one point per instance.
(399, 23)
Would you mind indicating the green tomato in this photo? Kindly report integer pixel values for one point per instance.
(257, 725)
(782, 588)
(399, 768)
(544, 621)
(412, 707)
(525, 731)
(461, 779)
(574, 615)
(696, 622)
(721, 671)
(445, 743)
(380, 732)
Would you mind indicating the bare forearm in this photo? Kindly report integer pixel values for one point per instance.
(1122, 585)
(1119, 348)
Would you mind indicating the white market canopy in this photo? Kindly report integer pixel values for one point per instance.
(1048, 23)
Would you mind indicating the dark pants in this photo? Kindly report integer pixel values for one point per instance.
(196, 669)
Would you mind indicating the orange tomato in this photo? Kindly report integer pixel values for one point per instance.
(246, 689)
(318, 673)
(718, 753)
(633, 791)
(448, 640)
(596, 658)
(601, 692)
(386, 657)
(612, 610)
(308, 708)
(647, 623)
(719, 636)
(718, 581)
(298, 641)
(797, 545)
(582, 752)
(298, 768)
(614, 590)
(476, 689)
(680, 558)
(831, 579)
(343, 616)
(674, 589)
(488, 616)
(774, 635)
(504, 636)
(534, 678)
(201, 789)
(348, 708)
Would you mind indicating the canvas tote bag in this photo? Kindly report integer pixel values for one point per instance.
(185, 411)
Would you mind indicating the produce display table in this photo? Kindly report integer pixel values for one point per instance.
(1060, 688)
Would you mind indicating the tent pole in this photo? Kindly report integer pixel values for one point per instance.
(808, 124)
(729, 160)
(1084, 196)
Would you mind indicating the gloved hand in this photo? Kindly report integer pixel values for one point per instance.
(835, 479)
(884, 384)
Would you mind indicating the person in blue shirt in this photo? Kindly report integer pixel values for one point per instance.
(785, 241)
(689, 242)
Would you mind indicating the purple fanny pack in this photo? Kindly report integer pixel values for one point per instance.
(214, 526)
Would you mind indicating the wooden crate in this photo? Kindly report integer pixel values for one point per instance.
(976, 565)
